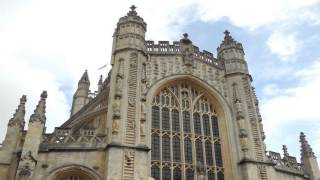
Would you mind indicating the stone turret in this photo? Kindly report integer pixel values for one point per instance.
(12, 140)
(308, 159)
(81, 96)
(232, 53)
(130, 33)
(32, 141)
(127, 99)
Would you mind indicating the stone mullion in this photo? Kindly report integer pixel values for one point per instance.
(212, 148)
(202, 140)
(182, 155)
(194, 159)
(161, 133)
(171, 138)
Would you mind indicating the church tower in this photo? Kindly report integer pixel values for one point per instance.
(126, 100)
(245, 108)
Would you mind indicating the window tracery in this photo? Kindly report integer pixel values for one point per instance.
(185, 127)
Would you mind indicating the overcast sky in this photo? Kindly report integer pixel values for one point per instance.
(47, 45)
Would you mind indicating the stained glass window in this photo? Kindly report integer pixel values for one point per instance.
(176, 149)
(197, 124)
(206, 124)
(215, 126)
(188, 150)
(209, 157)
(165, 148)
(165, 119)
(189, 174)
(186, 121)
(155, 147)
(199, 151)
(175, 120)
(155, 172)
(155, 117)
(220, 175)
(218, 155)
(166, 175)
(177, 174)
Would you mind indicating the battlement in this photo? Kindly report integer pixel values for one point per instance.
(286, 163)
(165, 48)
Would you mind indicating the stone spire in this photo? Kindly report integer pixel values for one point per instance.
(100, 83)
(306, 150)
(18, 116)
(229, 42)
(285, 151)
(84, 78)
(40, 111)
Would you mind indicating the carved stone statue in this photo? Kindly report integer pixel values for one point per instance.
(115, 126)
(119, 86)
(116, 108)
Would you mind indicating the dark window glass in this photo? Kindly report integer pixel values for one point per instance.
(162, 100)
(175, 120)
(155, 117)
(155, 172)
(210, 175)
(215, 126)
(197, 123)
(188, 150)
(166, 175)
(177, 174)
(165, 119)
(209, 156)
(199, 151)
(155, 147)
(186, 121)
(218, 155)
(220, 175)
(206, 124)
(189, 174)
(176, 149)
(165, 148)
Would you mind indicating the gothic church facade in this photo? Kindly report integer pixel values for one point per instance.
(165, 112)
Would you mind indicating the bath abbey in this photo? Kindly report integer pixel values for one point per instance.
(166, 111)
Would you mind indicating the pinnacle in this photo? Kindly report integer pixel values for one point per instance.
(84, 77)
(132, 11)
(306, 150)
(39, 112)
(18, 116)
(285, 150)
(100, 80)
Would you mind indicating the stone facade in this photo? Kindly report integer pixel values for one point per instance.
(165, 111)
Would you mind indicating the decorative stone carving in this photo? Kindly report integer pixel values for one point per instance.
(26, 167)
(118, 86)
(142, 121)
(115, 126)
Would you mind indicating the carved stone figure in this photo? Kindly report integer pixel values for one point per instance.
(119, 86)
(115, 126)
(116, 108)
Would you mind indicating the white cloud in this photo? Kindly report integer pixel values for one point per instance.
(296, 105)
(299, 103)
(284, 45)
(254, 14)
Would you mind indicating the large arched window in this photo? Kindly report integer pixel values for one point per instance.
(185, 134)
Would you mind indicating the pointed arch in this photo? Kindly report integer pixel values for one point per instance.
(72, 171)
(188, 97)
